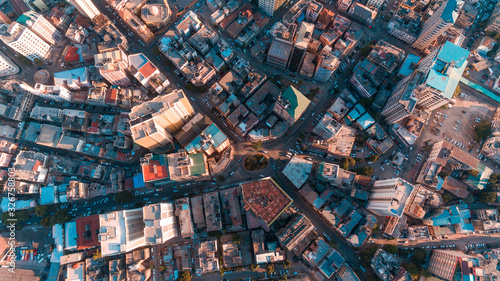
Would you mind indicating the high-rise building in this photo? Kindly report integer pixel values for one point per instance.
(41, 26)
(121, 231)
(430, 86)
(327, 64)
(38, 5)
(343, 5)
(7, 67)
(301, 42)
(270, 6)
(112, 66)
(375, 3)
(437, 24)
(152, 123)
(86, 7)
(25, 42)
(159, 223)
(388, 197)
(281, 48)
(494, 22)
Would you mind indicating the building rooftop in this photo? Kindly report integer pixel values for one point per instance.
(265, 198)
(298, 170)
(87, 229)
(155, 168)
(183, 211)
(447, 69)
(293, 102)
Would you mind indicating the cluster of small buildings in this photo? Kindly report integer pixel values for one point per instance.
(310, 41)
(242, 23)
(124, 237)
(57, 179)
(450, 264)
(388, 267)
(426, 27)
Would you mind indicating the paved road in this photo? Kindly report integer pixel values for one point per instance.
(459, 241)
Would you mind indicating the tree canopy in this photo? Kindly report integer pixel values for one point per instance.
(347, 163)
(482, 130)
(124, 196)
(184, 276)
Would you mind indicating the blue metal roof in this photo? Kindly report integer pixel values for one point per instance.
(447, 69)
(405, 68)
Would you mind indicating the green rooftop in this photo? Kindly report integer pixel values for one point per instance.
(198, 167)
(298, 102)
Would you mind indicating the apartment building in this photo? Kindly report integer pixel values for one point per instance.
(389, 197)
(153, 122)
(25, 42)
(430, 86)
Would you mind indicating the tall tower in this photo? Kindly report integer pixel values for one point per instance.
(40, 26)
(431, 85)
(270, 6)
(7, 67)
(388, 197)
(437, 24)
(85, 7)
(25, 42)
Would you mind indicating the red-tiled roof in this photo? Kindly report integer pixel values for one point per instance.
(265, 198)
(71, 54)
(38, 163)
(147, 70)
(154, 171)
(455, 187)
(87, 229)
(111, 94)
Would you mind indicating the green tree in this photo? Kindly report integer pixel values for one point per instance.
(184, 276)
(287, 264)
(473, 173)
(237, 238)
(46, 222)
(333, 244)
(487, 196)
(253, 267)
(419, 256)
(41, 211)
(347, 163)
(443, 174)
(366, 50)
(97, 255)
(447, 197)
(412, 269)
(457, 91)
(372, 158)
(61, 217)
(155, 50)
(24, 60)
(494, 178)
(270, 268)
(391, 249)
(162, 268)
(123, 196)
(482, 130)
(19, 215)
(257, 145)
(365, 171)
(376, 229)
(38, 61)
(366, 255)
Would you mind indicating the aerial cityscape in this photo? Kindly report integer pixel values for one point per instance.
(230, 140)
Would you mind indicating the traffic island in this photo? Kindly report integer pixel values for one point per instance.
(256, 162)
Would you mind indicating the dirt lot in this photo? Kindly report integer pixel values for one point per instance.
(458, 125)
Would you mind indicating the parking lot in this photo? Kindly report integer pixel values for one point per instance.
(456, 124)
